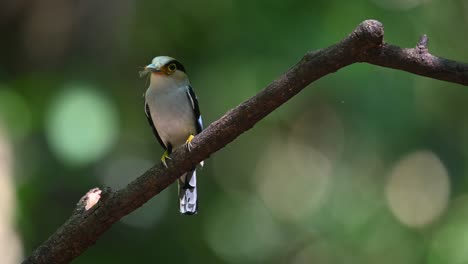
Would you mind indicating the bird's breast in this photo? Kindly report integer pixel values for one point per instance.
(172, 113)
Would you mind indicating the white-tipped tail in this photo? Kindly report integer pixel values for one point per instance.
(188, 193)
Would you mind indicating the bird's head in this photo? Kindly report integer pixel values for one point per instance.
(163, 65)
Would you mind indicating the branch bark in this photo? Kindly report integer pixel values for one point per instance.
(97, 211)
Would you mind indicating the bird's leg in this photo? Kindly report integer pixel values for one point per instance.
(188, 142)
(164, 157)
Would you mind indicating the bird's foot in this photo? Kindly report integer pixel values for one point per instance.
(164, 157)
(188, 142)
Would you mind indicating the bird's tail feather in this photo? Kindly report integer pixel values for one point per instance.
(188, 193)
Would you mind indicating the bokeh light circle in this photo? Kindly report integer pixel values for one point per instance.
(241, 231)
(418, 189)
(294, 186)
(82, 125)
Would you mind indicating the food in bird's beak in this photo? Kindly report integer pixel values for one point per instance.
(144, 72)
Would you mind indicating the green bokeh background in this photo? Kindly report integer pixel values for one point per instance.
(367, 165)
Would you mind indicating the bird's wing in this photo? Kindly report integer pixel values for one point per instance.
(196, 109)
(150, 121)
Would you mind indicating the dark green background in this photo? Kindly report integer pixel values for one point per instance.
(367, 165)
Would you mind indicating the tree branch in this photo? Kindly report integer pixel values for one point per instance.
(97, 211)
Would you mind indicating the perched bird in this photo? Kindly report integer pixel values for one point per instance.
(172, 111)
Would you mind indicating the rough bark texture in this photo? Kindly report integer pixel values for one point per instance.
(364, 44)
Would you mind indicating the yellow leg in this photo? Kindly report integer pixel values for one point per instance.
(164, 157)
(188, 142)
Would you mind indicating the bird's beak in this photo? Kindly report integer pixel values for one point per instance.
(149, 68)
(152, 68)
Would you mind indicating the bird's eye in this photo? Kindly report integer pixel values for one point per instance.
(172, 67)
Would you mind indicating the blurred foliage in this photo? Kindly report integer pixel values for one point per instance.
(365, 166)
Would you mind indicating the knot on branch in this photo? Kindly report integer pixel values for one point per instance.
(421, 47)
(422, 43)
(370, 31)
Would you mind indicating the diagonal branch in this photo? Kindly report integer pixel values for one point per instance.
(98, 211)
